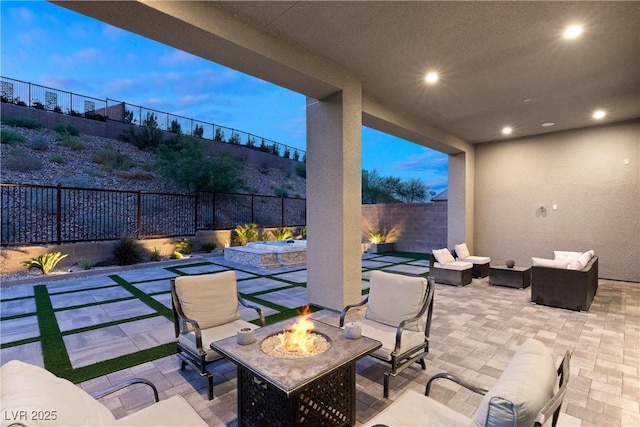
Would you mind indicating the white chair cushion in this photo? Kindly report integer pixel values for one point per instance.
(476, 259)
(454, 265)
(395, 297)
(582, 261)
(387, 336)
(209, 335)
(443, 256)
(174, 411)
(462, 251)
(567, 256)
(526, 385)
(30, 388)
(210, 299)
(414, 409)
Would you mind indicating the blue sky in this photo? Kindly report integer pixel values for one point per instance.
(51, 46)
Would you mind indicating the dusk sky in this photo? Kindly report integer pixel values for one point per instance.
(51, 46)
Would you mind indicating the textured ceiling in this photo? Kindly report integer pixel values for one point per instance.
(492, 56)
(501, 63)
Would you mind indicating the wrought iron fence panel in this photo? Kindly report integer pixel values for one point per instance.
(294, 212)
(93, 214)
(165, 215)
(231, 210)
(29, 214)
(267, 211)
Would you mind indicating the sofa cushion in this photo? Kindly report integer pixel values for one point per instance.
(528, 382)
(46, 399)
(394, 297)
(567, 256)
(174, 411)
(454, 265)
(549, 263)
(462, 251)
(443, 256)
(210, 299)
(582, 261)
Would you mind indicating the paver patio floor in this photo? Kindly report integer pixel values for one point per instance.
(475, 330)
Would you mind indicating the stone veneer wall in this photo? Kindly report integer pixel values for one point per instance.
(413, 227)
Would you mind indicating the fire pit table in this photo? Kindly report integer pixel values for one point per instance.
(312, 390)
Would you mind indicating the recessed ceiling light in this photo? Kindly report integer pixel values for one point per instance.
(572, 32)
(507, 130)
(431, 77)
(599, 114)
(546, 125)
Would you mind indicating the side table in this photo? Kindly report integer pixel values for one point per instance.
(516, 277)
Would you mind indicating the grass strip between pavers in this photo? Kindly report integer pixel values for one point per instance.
(157, 306)
(54, 352)
(105, 367)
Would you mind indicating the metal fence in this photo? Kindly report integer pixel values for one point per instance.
(49, 99)
(34, 214)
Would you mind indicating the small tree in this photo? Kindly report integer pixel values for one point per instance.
(219, 136)
(198, 131)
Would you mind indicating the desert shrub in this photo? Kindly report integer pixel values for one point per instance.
(301, 170)
(185, 246)
(282, 234)
(127, 251)
(70, 141)
(110, 159)
(9, 136)
(39, 143)
(176, 255)
(45, 262)
(57, 158)
(149, 136)
(302, 232)
(155, 255)
(69, 129)
(22, 123)
(281, 192)
(134, 175)
(208, 246)
(87, 264)
(21, 162)
(246, 233)
(187, 166)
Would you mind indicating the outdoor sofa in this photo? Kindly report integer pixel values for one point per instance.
(557, 284)
(33, 396)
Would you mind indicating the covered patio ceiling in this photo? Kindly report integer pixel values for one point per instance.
(500, 63)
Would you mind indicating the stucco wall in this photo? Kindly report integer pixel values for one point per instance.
(584, 173)
(413, 227)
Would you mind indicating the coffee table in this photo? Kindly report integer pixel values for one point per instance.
(515, 277)
(317, 390)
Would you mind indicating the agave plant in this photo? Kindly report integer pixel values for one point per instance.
(247, 233)
(377, 236)
(45, 262)
(282, 234)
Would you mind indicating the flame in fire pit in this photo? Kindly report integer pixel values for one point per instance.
(297, 342)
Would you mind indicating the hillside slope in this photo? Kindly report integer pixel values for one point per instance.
(44, 160)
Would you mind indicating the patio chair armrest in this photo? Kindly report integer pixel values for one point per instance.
(464, 383)
(349, 307)
(400, 329)
(255, 307)
(124, 384)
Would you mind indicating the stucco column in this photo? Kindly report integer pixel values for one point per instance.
(460, 209)
(334, 196)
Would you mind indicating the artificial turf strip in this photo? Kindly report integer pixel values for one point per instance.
(54, 352)
(157, 306)
(105, 367)
(414, 255)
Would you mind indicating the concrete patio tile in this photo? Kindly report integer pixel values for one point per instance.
(79, 284)
(155, 286)
(71, 299)
(149, 333)
(250, 314)
(164, 299)
(17, 307)
(374, 264)
(146, 274)
(81, 317)
(30, 353)
(259, 284)
(290, 298)
(299, 276)
(421, 262)
(109, 294)
(202, 269)
(392, 259)
(19, 329)
(87, 348)
(16, 292)
(407, 269)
